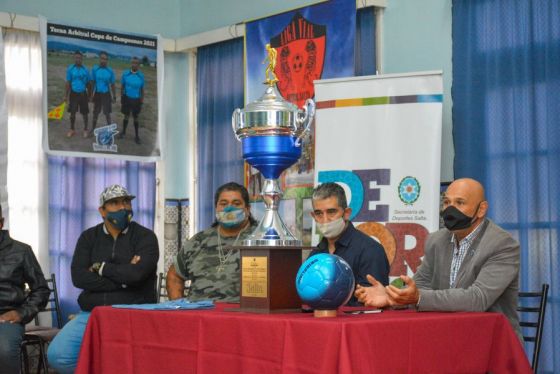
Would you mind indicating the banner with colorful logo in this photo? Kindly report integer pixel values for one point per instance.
(311, 43)
(103, 92)
(379, 137)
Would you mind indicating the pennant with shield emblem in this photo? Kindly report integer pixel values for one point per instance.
(300, 50)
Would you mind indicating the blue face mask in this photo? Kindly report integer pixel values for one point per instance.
(231, 216)
(120, 219)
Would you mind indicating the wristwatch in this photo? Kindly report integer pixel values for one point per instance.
(96, 266)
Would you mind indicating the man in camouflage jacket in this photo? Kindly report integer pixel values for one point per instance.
(205, 260)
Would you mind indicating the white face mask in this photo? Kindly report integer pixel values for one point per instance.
(332, 229)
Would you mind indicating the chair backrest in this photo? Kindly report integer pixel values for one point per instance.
(531, 310)
(162, 288)
(53, 305)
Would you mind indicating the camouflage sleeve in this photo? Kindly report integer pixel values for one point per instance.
(182, 260)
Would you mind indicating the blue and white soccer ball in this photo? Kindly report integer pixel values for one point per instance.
(325, 281)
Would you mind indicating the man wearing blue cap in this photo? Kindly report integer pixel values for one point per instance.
(114, 263)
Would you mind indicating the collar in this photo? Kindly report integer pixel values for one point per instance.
(472, 236)
(107, 231)
(343, 240)
(5, 239)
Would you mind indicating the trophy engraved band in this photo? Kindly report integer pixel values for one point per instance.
(271, 130)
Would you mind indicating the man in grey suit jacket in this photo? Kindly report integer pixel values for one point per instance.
(472, 265)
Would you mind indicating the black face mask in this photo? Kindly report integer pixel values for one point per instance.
(120, 219)
(454, 219)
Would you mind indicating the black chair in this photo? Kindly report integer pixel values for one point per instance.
(531, 310)
(39, 336)
(162, 288)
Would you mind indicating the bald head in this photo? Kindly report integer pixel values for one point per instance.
(466, 195)
(468, 187)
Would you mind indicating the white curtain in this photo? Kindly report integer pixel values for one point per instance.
(27, 182)
(3, 136)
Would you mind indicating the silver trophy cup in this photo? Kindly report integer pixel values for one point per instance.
(271, 130)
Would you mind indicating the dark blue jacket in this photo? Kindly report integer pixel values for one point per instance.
(363, 254)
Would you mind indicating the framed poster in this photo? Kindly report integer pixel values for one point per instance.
(103, 92)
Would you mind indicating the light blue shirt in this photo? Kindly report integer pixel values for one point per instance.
(78, 76)
(132, 83)
(103, 77)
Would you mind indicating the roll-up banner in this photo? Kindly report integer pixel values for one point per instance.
(379, 137)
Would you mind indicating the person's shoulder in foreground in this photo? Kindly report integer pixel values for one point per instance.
(18, 305)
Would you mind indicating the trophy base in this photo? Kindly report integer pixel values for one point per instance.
(320, 313)
(268, 276)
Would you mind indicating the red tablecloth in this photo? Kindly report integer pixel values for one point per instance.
(217, 341)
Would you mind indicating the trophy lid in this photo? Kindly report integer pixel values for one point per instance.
(270, 110)
(270, 100)
(271, 114)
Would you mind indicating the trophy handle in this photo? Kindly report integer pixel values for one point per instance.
(236, 122)
(305, 117)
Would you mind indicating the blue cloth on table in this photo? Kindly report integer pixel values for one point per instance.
(179, 304)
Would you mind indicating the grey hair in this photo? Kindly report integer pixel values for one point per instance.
(330, 189)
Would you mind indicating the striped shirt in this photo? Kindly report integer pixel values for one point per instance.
(459, 253)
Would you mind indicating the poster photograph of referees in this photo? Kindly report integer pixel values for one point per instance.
(103, 92)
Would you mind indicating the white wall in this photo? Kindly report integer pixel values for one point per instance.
(417, 36)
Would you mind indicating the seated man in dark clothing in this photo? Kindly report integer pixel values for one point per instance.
(363, 254)
(114, 263)
(18, 266)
